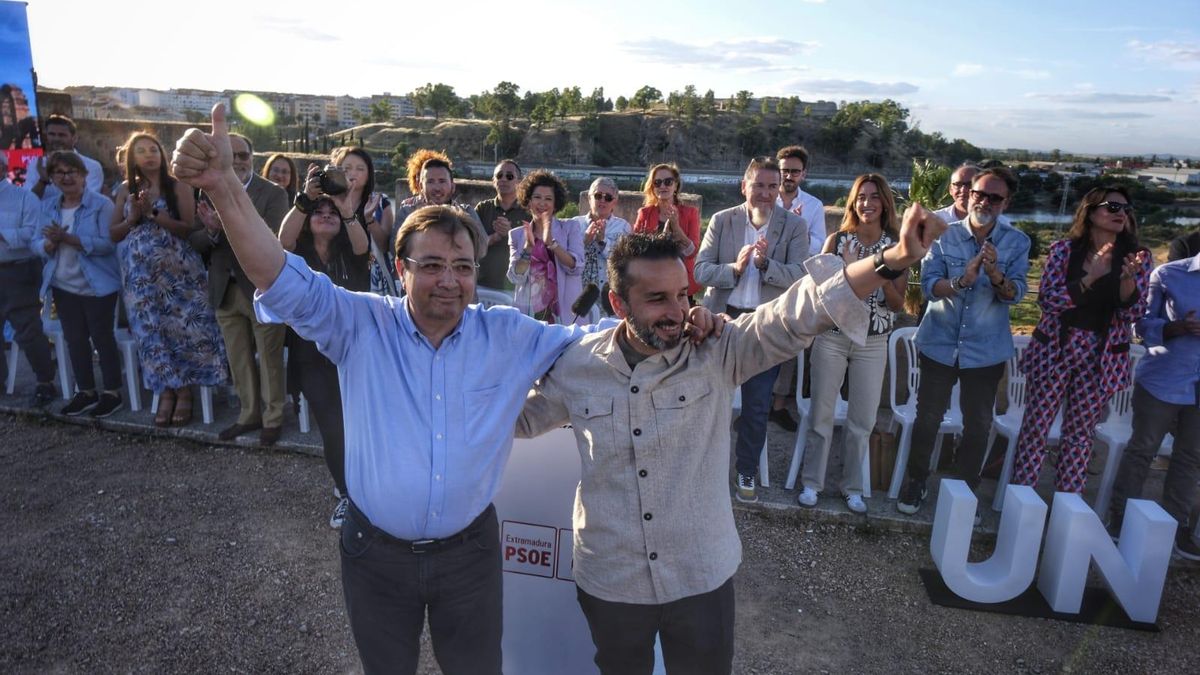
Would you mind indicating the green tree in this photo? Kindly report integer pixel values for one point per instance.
(438, 98)
(786, 107)
(570, 102)
(709, 104)
(380, 111)
(596, 100)
(741, 101)
(622, 104)
(645, 97)
(542, 114)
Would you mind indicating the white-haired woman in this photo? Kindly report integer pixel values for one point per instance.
(601, 230)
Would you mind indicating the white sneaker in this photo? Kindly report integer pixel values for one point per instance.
(856, 504)
(807, 497)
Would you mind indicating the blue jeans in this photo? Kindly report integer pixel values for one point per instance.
(751, 427)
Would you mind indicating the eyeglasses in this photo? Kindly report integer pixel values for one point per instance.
(1115, 207)
(64, 173)
(506, 175)
(664, 182)
(991, 197)
(436, 268)
(791, 172)
(960, 185)
(603, 196)
(241, 156)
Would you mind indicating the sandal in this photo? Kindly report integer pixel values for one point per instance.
(183, 410)
(166, 408)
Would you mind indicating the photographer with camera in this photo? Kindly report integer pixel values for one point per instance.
(349, 182)
(259, 385)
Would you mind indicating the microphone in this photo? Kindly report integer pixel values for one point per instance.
(586, 300)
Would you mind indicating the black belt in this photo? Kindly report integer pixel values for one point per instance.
(468, 533)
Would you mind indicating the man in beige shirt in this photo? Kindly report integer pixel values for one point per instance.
(655, 547)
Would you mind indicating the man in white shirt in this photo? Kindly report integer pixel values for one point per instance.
(59, 134)
(751, 253)
(793, 163)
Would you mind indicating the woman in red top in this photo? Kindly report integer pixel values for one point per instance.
(663, 212)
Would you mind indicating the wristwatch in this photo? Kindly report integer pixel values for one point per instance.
(303, 204)
(881, 267)
(957, 284)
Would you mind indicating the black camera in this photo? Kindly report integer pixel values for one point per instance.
(332, 180)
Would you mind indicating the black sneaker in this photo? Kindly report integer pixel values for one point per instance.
(911, 497)
(110, 403)
(339, 514)
(1185, 546)
(80, 403)
(745, 489)
(784, 419)
(43, 395)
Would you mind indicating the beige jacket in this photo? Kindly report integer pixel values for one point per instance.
(652, 519)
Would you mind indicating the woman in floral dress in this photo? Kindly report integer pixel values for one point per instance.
(165, 284)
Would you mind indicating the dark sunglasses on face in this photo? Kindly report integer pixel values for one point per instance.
(664, 182)
(991, 197)
(506, 175)
(1114, 207)
(603, 196)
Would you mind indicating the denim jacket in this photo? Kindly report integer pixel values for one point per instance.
(970, 328)
(97, 254)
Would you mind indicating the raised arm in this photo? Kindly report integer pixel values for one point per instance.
(205, 161)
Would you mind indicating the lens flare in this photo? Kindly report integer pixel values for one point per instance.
(254, 110)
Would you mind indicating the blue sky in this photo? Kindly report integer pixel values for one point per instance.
(1089, 77)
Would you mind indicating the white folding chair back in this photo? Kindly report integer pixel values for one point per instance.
(903, 341)
(491, 297)
(804, 410)
(1115, 432)
(1009, 424)
(53, 330)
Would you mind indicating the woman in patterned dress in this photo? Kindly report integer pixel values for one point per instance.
(1093, 288)
(868, 226)
(164, 282)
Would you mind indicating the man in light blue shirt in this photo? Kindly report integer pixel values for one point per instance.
(20, 281)
(431, 389)
(1166, 397)
(972, 276)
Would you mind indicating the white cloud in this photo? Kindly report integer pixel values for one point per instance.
(853, 87)
(756, 54)
(1167, 50)
(1101, 97)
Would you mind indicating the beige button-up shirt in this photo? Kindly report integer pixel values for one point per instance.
(653, 521)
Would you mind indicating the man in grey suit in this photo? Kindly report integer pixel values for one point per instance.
(231, 295)
(750, 255)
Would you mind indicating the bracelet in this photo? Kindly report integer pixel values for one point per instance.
(351, 219)
(881, 267)
(302, 203)
(957, 284)
(552, 245)
(999, 284)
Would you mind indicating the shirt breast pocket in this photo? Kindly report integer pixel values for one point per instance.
(678, 406)
(592, 417)
(955, 266)
(480, 404)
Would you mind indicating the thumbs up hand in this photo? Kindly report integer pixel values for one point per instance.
(203, 160)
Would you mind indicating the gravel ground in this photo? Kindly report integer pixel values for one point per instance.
(138, 554)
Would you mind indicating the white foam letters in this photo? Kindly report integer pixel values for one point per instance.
(1134, 571)
(1010, 570)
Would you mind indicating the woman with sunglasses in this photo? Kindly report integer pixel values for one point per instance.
(338, 248)
(601, 230)
(1093, 288)
(546, 254)
(664, 212)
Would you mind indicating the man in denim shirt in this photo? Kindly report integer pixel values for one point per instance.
(971, 277)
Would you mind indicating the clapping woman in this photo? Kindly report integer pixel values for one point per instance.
(869, 226)
(166, 285)
(665, 212)
(546, 254)
(1093, 288)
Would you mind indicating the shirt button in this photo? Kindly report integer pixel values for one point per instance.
(642, 473)
(439, 436)
(682, 399)
(437, 397)
(634, 389)
(647, 516)
(433, 513)
(438, 477)
(637, 432)
(653, 556)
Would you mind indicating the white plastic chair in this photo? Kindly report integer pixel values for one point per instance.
(52, 329)
(902, 340)
(804, 410)
(491, 297)
(1009, 424)
(1115, 432)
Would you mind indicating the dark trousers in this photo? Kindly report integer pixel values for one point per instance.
(751, 426)
(696, 633)
(87, 322)
(978, 399)
(388, 589)
(20, 305)
(1152, 420)
(318, 380)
